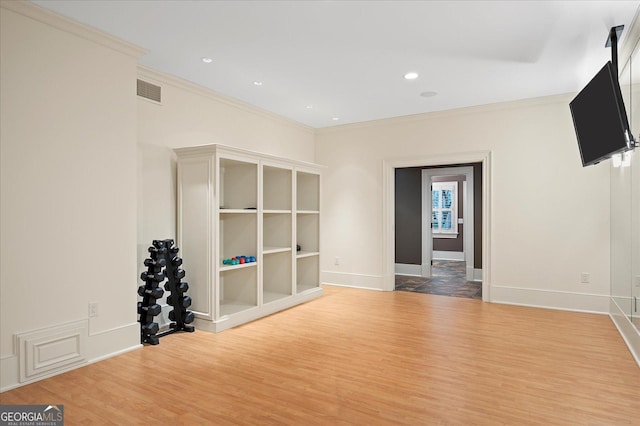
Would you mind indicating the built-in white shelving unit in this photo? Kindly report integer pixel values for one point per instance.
(233, 202)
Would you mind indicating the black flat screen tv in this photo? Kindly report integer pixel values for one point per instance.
(600, 119)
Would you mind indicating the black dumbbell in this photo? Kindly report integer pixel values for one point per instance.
(186, 302)
(176, 261)
(152, 310)
(155, 293)
(148, 276)
(151, 328)
(179, 274)
(172, 315)
(188, 317)
(157, 251)
(180, 287)
(158, 243)
(174, 250)
(155, 262)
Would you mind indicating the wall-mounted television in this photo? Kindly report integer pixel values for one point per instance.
(600, 119)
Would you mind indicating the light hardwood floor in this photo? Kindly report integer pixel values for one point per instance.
(366, 358)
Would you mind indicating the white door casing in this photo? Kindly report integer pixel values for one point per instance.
(468, 232)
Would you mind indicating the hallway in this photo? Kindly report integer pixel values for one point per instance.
(448, 279)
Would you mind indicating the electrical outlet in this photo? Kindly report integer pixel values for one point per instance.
(337, 261)
(93, 310)
(637, 281)
(585, 278)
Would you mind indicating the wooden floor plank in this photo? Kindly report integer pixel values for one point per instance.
(365, 357)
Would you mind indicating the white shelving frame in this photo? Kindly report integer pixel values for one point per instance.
(236, 202)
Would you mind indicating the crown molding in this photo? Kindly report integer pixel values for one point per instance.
(436, 115)
(71, 26)
(147, 73)
(630, 42)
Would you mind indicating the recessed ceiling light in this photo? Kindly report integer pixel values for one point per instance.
(309, 106)
(428, 94)
(335, 118)
(257, 83)
(411, 75)
(207, 60)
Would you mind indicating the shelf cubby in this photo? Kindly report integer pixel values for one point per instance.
(238, 185)
(276, 229)
(307, 233)
(277, 276)
(238, 290)
(277, 188)
(307, 273)
(308, 192)
(237, 235)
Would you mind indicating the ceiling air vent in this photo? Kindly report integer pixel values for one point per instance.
(149, 91)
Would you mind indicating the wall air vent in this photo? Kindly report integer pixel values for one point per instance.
(149, 91)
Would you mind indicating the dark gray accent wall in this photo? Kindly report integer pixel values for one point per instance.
(477, 215)
(408, 211)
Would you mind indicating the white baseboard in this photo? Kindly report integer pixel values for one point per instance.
(345, 279)
(10, 377)
(257, 312)
(565, 301)
(477, 275)
(50, 350)
(448, 255)
(98, 346)
(407, 269)
(630, 334)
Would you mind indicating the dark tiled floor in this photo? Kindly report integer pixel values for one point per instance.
(448, 279)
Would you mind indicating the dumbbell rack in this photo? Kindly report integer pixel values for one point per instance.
(163, 255)
(150, 292)
(179, 315)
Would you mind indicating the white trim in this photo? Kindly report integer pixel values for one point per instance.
(353, 286)
(225, 322)
(407, 269)
(630, 334)
(468, 214)
(551, 299)
(52, 349)
(99, 346)
(456, 112)
(453, 186)
(116, 353)
(452, 235)
(108, 343)
(388, 214)
(59, 22)
(475, 274)
(346, 279)
(448, 255)
(160, 78)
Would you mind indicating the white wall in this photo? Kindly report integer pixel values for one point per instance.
(549, 216)
(190, 115)
(68, 160)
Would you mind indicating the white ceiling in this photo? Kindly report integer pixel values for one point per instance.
(347, 59)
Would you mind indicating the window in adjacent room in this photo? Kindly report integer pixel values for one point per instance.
(444, 209)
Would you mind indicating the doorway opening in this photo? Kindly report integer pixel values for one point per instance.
(444, 222)
(441, 265)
